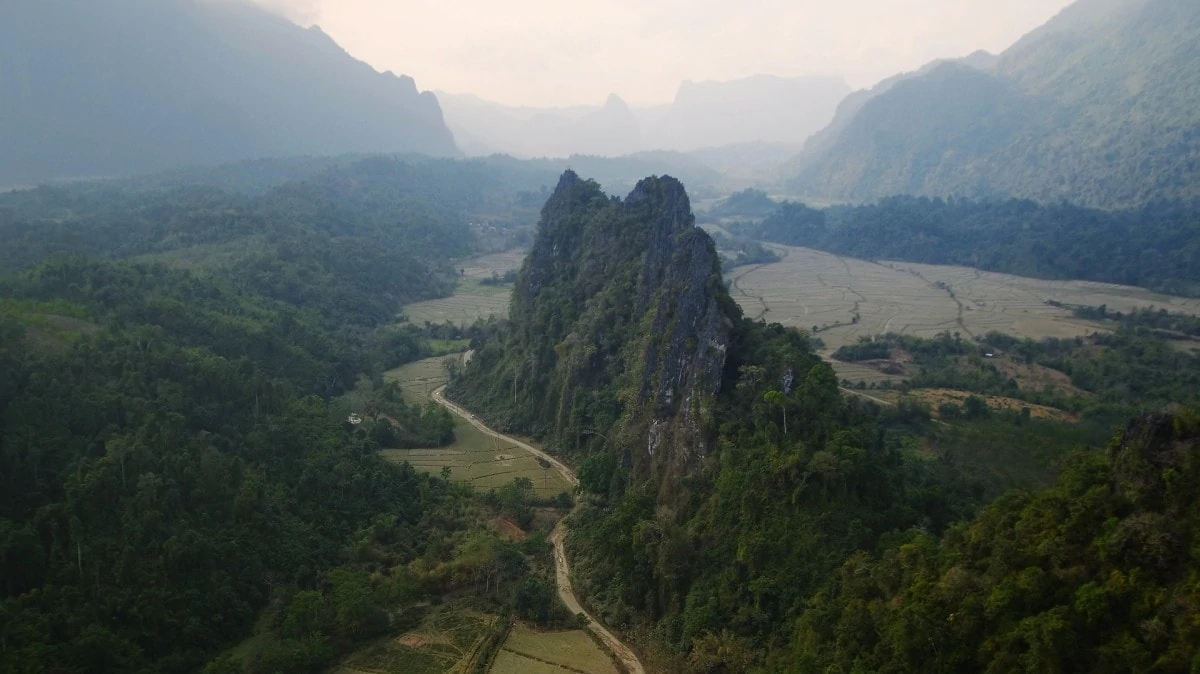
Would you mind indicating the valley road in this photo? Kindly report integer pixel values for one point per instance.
(562, 571)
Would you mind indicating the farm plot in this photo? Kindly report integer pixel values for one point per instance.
(418, 379)
(448, 640)
(471, 300)
(527, 651)
(857, 373)
(473, 457)
(484, 266)
(1017, 305)
(843, 299)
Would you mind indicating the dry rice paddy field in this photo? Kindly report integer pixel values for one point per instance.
(448, 640)
(810, 288)
(532, 652)
(474, 457)
(471, 300)
(935, 397)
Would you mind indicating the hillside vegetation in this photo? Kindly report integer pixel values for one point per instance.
(178, 365)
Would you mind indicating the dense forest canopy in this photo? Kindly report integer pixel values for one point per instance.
(174, 453)
(724, 497)
(1153, 246)
(178, 471)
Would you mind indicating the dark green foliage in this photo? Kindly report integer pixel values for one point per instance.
(533, 601)
(160, 478)
(174, 456)
(714, 538)
(1168, 324)
(514, 499)
(1153, 246)
(1094, 574)
(352, 243)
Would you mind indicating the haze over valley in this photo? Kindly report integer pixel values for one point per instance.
(364, 337)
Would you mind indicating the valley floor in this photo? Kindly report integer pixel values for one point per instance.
(562, 570)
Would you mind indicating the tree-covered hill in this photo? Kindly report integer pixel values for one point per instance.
(1095, 574)
(1098, 107)
(176, 465)
(618, 325)
(727, 476)
(732, 490)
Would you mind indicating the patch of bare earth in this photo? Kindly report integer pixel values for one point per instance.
(1034, 377)
(508, 529)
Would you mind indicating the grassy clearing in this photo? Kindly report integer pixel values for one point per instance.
(447, 640)
(528, 651)
(49, 326)
(846, 299)
(474, 457)
(496, 263)
(447, 347)
(857, 372)
(207, 256)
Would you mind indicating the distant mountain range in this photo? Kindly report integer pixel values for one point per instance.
(1100, 106)
(482, 127)
(114, 87)
(761, 110)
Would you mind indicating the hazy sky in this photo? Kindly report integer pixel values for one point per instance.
(559, 52)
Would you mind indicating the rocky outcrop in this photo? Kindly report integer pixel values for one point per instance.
(619, 330)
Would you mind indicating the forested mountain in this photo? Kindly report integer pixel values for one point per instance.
(642, 272)
(717, 451)
(1097, 574)
(1099, 107)
(174, 452)
(819, 143)
(1153, 246)
(743, 514)
(115, 87)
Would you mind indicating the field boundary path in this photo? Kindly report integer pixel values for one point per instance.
(562, 570)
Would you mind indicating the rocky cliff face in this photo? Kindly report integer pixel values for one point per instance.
(619, 329)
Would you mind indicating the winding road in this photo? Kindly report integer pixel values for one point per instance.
(562, 570)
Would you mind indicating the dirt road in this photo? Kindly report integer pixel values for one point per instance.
(562, 569)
